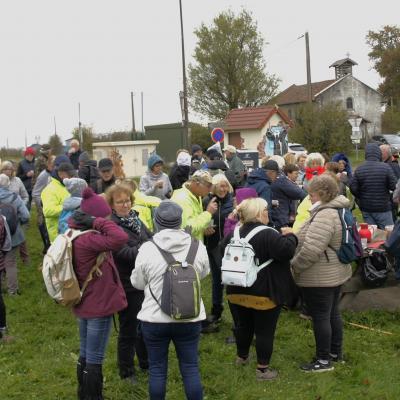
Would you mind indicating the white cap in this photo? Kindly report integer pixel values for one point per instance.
(230, 148)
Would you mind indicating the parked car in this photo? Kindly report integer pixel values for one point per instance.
(391, 139)
(296, 148)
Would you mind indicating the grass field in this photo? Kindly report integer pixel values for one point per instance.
(40, 364)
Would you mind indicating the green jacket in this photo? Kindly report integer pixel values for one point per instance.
(193, 215)
(53, 197)
(145, 206)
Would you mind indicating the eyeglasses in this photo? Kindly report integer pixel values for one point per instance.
(123, 203)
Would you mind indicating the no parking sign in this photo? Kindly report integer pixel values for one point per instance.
(217, 135)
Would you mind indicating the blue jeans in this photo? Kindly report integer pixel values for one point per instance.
(94, 334)
(381, 219)
(185, 337)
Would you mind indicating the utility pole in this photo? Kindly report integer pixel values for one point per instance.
(26, 140)
(80, 127)
(141, 96)
(186, 130)
(133, 118)
(55, 125)
(309, 88)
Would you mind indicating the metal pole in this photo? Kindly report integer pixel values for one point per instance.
(26, 140)
(309, 89)
(80, 126)
(55, 125)
(186, 129)
(133, 118)
(141, 95)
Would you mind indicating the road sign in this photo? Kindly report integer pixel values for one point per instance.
(217, 135)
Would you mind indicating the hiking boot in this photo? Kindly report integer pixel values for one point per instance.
(80, 367)
(268, 374)
(317, 366)
(93, 382)
(337, 358)
(242, 361)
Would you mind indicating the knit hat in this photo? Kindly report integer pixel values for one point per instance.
(271, 165)
(244, 194)
(4, 181)
(60, 160)
(105, 164)
(29, 151)
(195, 148)
(153, 160)
(75, 186)
(94, 205)
(84, 157)
(168, 215)
(184, 159)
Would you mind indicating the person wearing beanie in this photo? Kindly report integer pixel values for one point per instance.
(75, 187)
(104, 294)
(107, 177)
(13, 203)
(180, 170)
(190, 198)
(88, 169)
(261, 180)
(122, 200)
(54, 194)
(26, 171)
(155, 182)
(158, 328)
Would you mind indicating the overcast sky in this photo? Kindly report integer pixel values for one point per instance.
(56, 53)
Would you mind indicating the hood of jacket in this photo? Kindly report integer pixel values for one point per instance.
(338, 202)
(72, 203)
(172, 240)
(153, 177)
(258, 175)
(373, 152)
(5, 195)
(341, 156)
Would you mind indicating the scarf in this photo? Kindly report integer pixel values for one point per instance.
(131, 221)
(313, 171)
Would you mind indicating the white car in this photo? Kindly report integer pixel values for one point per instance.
(296, 148)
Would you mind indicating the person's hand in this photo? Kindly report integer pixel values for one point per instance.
(232, 215)
(159, 184)
(83, 220)
(209, 231)
(286, 230)
(212, 206)
(29, 173)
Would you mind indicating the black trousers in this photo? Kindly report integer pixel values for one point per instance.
(262, 323)
(3, 322)
(323, 306)
(129, 342)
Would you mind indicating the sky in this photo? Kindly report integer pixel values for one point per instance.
(58, 53)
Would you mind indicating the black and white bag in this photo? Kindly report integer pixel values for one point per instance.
(239, 264)
(181, 295)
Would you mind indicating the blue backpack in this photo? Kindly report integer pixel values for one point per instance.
(63, 220)
(350, 248)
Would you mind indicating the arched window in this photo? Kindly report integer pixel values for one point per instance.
(349, 103)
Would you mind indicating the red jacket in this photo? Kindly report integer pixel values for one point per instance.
(104, 295)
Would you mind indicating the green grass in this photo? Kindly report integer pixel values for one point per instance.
(40, 364)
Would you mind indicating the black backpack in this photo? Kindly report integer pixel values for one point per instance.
(375, 269)
(181, 297)
(9, 211)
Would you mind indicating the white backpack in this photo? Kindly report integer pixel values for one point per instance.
(58, 271)
(239, 264)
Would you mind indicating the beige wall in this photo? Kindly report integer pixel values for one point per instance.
(252, 137)
(134, 156)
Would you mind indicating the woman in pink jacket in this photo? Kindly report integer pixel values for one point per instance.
(104, 294)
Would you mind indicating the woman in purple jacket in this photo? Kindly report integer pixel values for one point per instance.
(104, 294)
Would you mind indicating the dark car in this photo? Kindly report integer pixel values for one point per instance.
(391, 139)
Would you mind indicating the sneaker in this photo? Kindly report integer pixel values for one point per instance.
(337, 358)
(268, 375)
(242, 361)
(213, 319)
(317, 366)
(209, 327)
(305, 316)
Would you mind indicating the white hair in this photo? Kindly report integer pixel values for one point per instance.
(221, 178)
(315, 158)
(74, 142)
(279, 160)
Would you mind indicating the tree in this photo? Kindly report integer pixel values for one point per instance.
(56, 144)
(391, 120)
(87, 138)
(385, 53)
(322, 128)
(200, 135)
(230, 69)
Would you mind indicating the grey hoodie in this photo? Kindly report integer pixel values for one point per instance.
(147, 185)
(150, 267)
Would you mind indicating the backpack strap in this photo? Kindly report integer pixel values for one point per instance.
(255, 231)
(95, 270)
(236, 234)
(194, 245)
(168, 257)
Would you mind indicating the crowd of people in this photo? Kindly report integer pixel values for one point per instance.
(133, 229)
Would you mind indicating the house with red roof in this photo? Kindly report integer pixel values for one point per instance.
(362, 102)
(246, 127)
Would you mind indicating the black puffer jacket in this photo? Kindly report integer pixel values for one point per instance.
(179, 175)
(275, 281)
(125, 258)
(372, 181)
